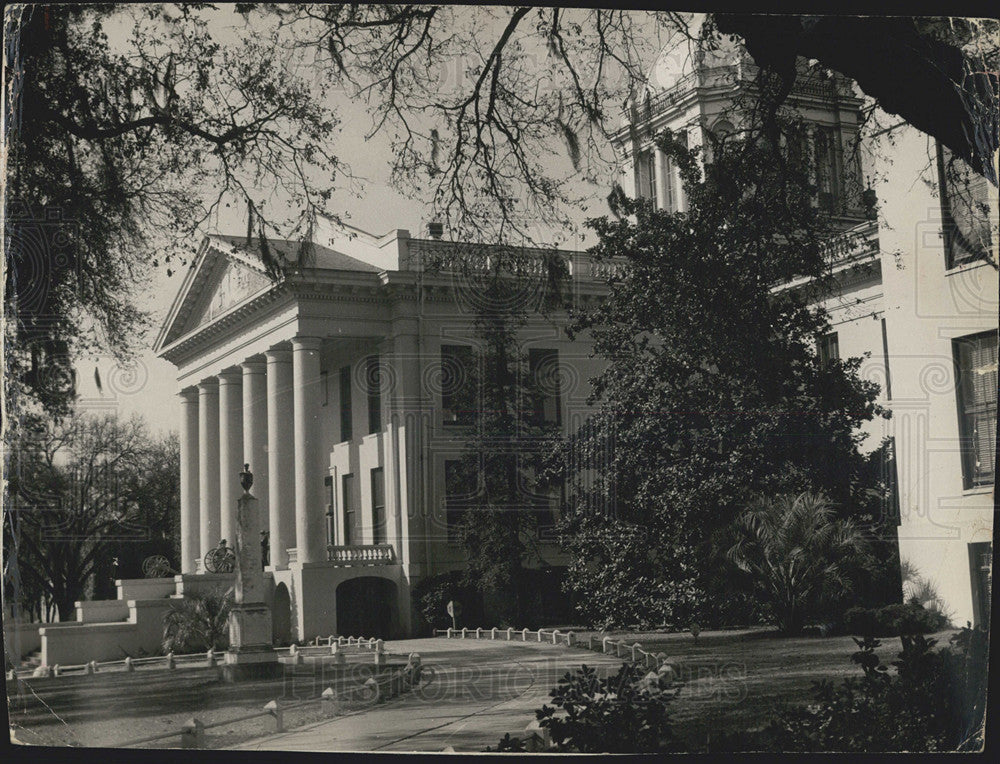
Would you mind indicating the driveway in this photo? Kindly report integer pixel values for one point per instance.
(472, 692)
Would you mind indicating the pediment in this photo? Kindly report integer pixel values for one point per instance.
(223, 278)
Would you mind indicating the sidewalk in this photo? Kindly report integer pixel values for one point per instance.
(472, 693)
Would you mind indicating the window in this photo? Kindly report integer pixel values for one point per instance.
(458, 387)
(325, 384)
(331, 527)
(827, 174)
(378, 506)
(373, 377)
(976, 387)
(345, 404)
(645, 175)
(829, 348)
(459, 489)
(965, 209)
(352, 531)
(543, 366)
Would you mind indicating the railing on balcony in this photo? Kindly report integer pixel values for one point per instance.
(362, 554)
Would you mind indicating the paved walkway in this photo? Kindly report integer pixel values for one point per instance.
(473, 691)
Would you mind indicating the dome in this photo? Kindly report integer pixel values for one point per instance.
(681, 57)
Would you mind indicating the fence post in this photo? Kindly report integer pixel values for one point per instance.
(56, 671)
(210, 658)
(570, 639)
(635, 648)
(539, 635)
(341, 640)
(493, 633)
(333, 648)
(604, 644)
(464, 632)
(277, 714)
(555, 636)
(170, 660)
(193, 734)
(294, 654)
(128, 664)
(524, 635)
(328, 702)
(92, 667)
(618, 649)
(380, 653)
(510, 633)
(449, 632)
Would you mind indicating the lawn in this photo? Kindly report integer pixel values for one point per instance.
(736, 680)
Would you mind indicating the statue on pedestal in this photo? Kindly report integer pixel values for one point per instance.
(250, 653)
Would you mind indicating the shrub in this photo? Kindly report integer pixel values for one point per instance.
(432, 594)
(894, 620)
(197, 623)
(624, 713)
(935, 702)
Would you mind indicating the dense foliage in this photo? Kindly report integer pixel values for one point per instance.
(797, 555)
(936, 701)
(624, 712)
(431, 596)
(894, 620)
(713, 392)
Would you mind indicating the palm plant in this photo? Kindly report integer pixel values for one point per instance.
(197, 623)
(796, 552)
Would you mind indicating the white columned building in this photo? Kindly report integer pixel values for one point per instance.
(328, 383)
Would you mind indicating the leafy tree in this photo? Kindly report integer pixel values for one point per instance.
(713, 391)
(502, 457)
(197, 623)
(78, 491)
(129, 127)
(796, 553)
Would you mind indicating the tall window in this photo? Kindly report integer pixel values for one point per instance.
(827, 171)
(378, 506)
(458, 490)
(829, 348)
(346, 431)
(458, 387)
(374, 379)
(545, 382)
(645, 175)
(965, 210)
(331, 510)
(976, 362)
(352, 531)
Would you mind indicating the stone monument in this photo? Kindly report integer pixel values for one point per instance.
(250, 654)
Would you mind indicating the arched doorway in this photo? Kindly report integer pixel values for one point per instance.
(366, 607)
(281, 616)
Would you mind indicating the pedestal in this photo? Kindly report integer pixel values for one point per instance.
(250, 654)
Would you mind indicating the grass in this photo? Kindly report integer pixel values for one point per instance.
(737, 680)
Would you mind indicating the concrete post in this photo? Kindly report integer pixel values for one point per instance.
(170, 660)
(524, 635)
(479, 633)
(128, 664)
(193, 734)
(464, 632)
(510, 634)
(277, 714)
(555, 636)
(493, 633)
(328, 702)
(571, 639)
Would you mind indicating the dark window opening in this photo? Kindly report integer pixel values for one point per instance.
(545, 383)
(965, 209)
(458, 386)
(976, 388)
(373, 377)
(346, 431)
(378, 506)
(352, 531)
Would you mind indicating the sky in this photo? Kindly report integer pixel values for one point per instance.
(148, 385)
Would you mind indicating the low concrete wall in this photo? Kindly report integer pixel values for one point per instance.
(145, 588)
(202, 584)
(88, 642)
(142, 633)
(101, 611)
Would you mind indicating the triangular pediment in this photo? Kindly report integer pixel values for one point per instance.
(223, 278)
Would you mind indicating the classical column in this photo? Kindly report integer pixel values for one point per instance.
(190, 541)
(230, 450)
(255, 431)
(208, 463)
(309, 511)
(280, 456)
(662, 180)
